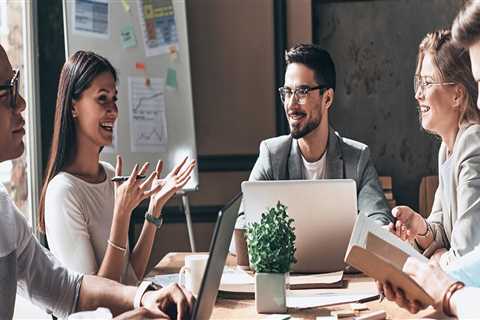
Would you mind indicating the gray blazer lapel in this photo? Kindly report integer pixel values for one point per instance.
(295, 162)
(334, 157)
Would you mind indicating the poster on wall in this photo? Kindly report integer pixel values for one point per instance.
(91, 18)
(157, 21)
(148, 123)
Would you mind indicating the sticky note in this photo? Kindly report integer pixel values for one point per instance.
(171, 78)
(126, 6)
(127, 36)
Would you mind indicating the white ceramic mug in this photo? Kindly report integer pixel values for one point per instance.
(191, 274)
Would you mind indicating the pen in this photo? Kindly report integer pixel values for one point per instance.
(125, 178)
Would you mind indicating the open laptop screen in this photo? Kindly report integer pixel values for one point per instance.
(222, 236)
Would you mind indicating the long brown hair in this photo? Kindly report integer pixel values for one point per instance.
(452, 64)
(77, 75)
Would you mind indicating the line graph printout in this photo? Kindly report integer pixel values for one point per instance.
(148, 124)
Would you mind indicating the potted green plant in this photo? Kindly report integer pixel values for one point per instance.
(271, 251)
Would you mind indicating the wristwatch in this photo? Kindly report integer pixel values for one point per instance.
(152, 219)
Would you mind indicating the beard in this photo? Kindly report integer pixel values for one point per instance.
(300, 132)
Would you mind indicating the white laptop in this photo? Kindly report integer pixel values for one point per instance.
(324, 212)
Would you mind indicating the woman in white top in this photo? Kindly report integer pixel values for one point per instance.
(84, 214)
(446, 94)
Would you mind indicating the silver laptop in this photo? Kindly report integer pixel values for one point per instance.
(324, 212)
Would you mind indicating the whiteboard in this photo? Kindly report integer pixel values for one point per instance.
(96, 25)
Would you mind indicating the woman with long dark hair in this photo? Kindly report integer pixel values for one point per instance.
(84, 214)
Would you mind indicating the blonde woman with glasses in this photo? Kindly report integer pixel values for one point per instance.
(446, 94)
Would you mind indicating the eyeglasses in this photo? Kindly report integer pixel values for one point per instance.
(12, 89)
(421, 83)
(300, 94)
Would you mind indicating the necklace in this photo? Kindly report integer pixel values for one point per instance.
(97, 178)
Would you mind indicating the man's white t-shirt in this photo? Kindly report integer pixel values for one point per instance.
(315, 170)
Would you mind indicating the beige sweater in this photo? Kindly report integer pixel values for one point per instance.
(455, 216)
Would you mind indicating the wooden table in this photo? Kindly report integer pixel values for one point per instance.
(245, 308)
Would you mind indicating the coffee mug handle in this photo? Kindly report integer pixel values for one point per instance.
(181, 275)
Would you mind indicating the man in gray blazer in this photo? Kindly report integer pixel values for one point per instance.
(313, 150)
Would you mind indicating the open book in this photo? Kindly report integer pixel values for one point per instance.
(381, 255)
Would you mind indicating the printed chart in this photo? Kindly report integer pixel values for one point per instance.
(148, 123)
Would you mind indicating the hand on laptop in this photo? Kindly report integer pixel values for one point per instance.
(174, 301)
(408, 223)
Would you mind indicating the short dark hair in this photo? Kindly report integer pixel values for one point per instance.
(315, 58)
(466, 27)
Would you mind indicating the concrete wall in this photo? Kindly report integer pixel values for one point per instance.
(374, 46)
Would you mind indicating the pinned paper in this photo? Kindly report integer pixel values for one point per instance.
(127, 36)
(126, 6)
(171, 78)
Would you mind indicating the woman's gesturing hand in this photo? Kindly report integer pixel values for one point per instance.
(130, 193)
(167, 187)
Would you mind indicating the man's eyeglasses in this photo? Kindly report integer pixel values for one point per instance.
(300, 93)
(12, 89)
(421, 83)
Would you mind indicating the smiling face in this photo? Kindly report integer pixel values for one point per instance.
(303, 119)
(436, 102)
(96, 111)
(11, 120)
(474, 51)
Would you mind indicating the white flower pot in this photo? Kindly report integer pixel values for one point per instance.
(270, 291)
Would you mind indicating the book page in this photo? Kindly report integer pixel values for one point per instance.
(364, 226)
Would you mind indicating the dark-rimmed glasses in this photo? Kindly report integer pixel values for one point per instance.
(300, 93)
(12, 89)
(421, 83)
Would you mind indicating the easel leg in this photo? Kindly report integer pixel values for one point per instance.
(188, 217)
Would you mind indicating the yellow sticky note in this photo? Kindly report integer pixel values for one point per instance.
(126, 5)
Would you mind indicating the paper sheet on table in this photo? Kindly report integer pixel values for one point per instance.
(148, 124)
(236, 280)
(302, 299)
(303, 280)
(164, 279)
(91, 18)
(232, 278)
